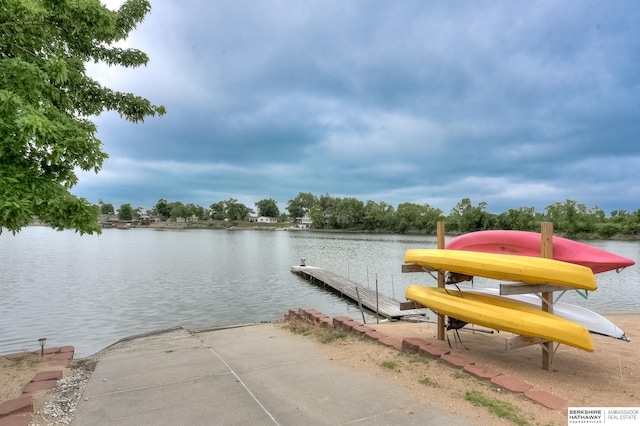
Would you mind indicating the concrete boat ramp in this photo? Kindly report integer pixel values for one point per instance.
(249, 375)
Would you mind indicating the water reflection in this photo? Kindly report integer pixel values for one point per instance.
(90, 291)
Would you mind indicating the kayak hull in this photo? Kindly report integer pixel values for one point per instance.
(524, 269)
(501, 314)
(524, 243)
(590, 320)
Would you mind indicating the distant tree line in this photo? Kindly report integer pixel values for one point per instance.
(570, 218)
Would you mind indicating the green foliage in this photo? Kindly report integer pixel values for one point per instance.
(299, 327)
(235, 210)
(173, 210)
(125, 212)
(329, 334)
(177, 209)
(570, 218)
(199, 212)
(418, 359)
(349, 213)
(522, 219)
(389, 365)
(217, 211)
(500, 408)
(162, 209)
(574, 219)
(106, 208)
(428, 382)
(323, 214)
(268, 208)
(321, 334)
(464, 217)
(413, 217)
(45, 97)
(377, 216)
(301, 205)
(459, 374)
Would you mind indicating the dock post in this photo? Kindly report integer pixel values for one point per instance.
(546, 230)
(364, 321)
(441, 322)
(393, 289)
(377, 302)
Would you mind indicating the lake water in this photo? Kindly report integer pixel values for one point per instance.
(90, 291)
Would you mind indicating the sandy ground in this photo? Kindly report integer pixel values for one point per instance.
(609, 376)
(15, 373)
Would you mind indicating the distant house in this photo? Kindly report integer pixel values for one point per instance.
(304, 222)
(107, 220)
(146, 219)
(186, 219)
(265, 219)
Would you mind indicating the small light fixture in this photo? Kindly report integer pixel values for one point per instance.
(44, 339)
(302, 261)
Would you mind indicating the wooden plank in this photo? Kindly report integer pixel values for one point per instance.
(442, 331)
(522, 341)
(405, 306)
(386, 306)
(547, 296)
(412, 267)
(523, 288)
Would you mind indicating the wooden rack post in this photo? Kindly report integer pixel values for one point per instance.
(546, 229)
(441, 324)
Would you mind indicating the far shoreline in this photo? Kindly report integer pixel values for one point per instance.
(253, 226)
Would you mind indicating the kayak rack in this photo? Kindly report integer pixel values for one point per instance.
(544, 291)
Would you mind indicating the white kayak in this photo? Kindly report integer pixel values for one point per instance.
(590, 320)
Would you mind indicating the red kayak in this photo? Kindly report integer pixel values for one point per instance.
(526, 243)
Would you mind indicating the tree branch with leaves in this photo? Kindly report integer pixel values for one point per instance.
(47, 100)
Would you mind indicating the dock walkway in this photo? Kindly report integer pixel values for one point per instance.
(386, 306)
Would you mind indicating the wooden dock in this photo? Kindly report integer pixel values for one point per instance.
(386, 306)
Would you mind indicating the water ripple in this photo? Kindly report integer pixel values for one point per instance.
(91, 291)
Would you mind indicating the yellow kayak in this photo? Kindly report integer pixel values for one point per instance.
(501, 314)
(526, 269)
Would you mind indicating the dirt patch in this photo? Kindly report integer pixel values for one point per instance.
(610, 376)
(16, 372)
(55, 406)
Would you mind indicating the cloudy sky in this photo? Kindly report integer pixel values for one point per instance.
(514, 103)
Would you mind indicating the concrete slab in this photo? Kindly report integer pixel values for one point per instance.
(255, 375)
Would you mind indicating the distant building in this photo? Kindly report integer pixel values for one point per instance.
(304, 222)
(107, 220)
(265, 219)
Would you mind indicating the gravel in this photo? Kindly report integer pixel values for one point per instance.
(61, 407)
